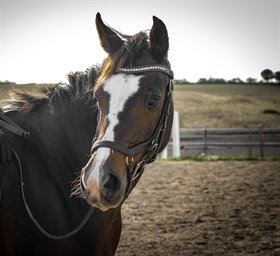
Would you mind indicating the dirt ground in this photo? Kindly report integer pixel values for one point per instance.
(204, 208)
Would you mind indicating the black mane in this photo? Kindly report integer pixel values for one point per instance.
(80, 87)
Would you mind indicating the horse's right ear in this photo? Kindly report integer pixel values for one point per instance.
(159, 39)
(109, 40)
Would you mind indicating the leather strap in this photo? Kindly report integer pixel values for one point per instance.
(12, 126)
(113, 145)
(147, 68)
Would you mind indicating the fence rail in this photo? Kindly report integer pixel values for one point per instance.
(230, 142)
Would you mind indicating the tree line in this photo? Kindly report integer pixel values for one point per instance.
(268, 76)
(7, 83)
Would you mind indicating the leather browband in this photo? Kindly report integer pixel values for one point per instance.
(148, 68)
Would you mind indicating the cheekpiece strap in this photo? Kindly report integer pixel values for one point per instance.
(144, 69)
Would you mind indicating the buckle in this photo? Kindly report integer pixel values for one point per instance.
(140, 165)
(129, 160)
(152, 152)
(154, 146)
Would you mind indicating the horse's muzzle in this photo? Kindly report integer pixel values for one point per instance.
(108, 194)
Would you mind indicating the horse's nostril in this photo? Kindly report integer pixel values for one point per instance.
(110, 181)
(110, 186)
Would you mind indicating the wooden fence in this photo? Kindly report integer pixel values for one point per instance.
(230, 142)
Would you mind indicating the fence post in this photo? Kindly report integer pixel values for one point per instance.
(261, 141)
(175, 138)
(205, 142)
(176, 135)
(164, 153)
(250, 141)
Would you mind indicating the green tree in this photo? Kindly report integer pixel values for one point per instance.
(202, 81)
(277, 76)
(235, 80)
(251, 80)
(267, 74)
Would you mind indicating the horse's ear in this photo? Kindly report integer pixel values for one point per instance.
(159, 39)
(109, 40)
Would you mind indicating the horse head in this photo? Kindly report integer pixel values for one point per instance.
(134, 97)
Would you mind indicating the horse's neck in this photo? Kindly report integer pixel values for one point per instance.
(50, 160)
(60, 133)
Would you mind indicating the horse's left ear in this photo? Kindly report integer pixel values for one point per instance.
(159, 39)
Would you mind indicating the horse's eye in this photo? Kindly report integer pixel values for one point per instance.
(154, 101)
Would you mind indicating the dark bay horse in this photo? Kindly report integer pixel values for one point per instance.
(109, 122)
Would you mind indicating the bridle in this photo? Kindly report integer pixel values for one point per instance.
(135, 170)
(151, 145)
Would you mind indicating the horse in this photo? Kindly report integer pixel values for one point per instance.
(91, 138)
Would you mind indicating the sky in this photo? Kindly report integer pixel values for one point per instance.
(43, 40)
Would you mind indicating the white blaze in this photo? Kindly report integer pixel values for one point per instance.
(121, 88)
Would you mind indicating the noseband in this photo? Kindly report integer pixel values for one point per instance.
(151, 145)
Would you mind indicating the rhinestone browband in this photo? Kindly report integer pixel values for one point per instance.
(143, 69)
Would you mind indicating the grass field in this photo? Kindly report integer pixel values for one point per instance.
(228, 106)
(5, 90)
(215, 106)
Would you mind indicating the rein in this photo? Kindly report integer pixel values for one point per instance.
(34, 220)
(152, 144)
(12, 126)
